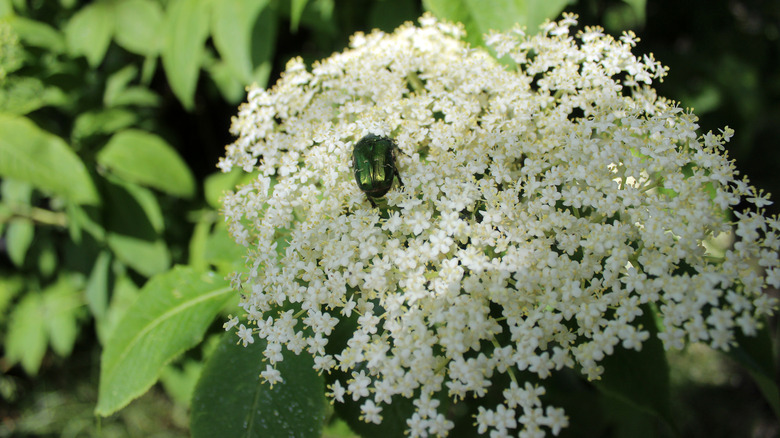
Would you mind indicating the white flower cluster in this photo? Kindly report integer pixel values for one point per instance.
(543, 206)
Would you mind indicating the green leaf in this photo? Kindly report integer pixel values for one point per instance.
(37, 34)
(640, 378)
(117, 82)
(618, 17)
(147, 159)
(10, 286)
(118, 93)
(16, 193)
(216, 184)
(625, 420)
(179, 383)
(200, 234)
(20, 5)
(263, 45)
(26, 340)
(30, 154)
(186, 29)
(169, 317)
(768, 387)
(139, 26)
(85, 219)
(62, 306)
(105, 121)
(222, 251)
(146, 257)
(479, 17)
(6, 8)
(756, 354)
(19, 237)
(89, 31)
(296, 11)
(232, 23)
(137, 95)
(21, 95)
(123, 296)
(134, 221)
(45, 254)
(230, 400)
(148, 69)
(98, 284)
(639, 7)
(231, 88)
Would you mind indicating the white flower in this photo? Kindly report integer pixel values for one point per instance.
(245, 335)
(337, 391)
(371, 412)
(230, 323)
(271, 375)
(542, 209)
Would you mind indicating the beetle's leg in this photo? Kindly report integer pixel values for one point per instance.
(373, 204)
(395, 169)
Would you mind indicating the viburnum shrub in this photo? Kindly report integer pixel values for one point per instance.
(547, 202)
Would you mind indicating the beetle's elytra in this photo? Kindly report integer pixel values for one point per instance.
(373, 161)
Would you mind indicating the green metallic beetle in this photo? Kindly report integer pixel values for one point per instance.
(373, 161)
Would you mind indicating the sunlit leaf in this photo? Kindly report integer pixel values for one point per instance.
(640, 9)
(186, 29)
(119, 92)
(18, 238)
(123, 296)
(296, 11)
(133, 223)
(22, 95)
(263, 45)
(89, 31)
(117, 82)
(104, 121)
(6, 8)
(170, 316)
(31, 154)
(218, 183)
(139, 26)
(479, 17)
(146, 159)
(224, 77)
(222, 251)
(97, 285)
(179, 382)
(38, 34)
(10, 286)
(233, 23)
(26, 340)
(62, 306)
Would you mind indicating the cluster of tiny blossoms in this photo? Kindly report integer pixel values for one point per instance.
(544, 206)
